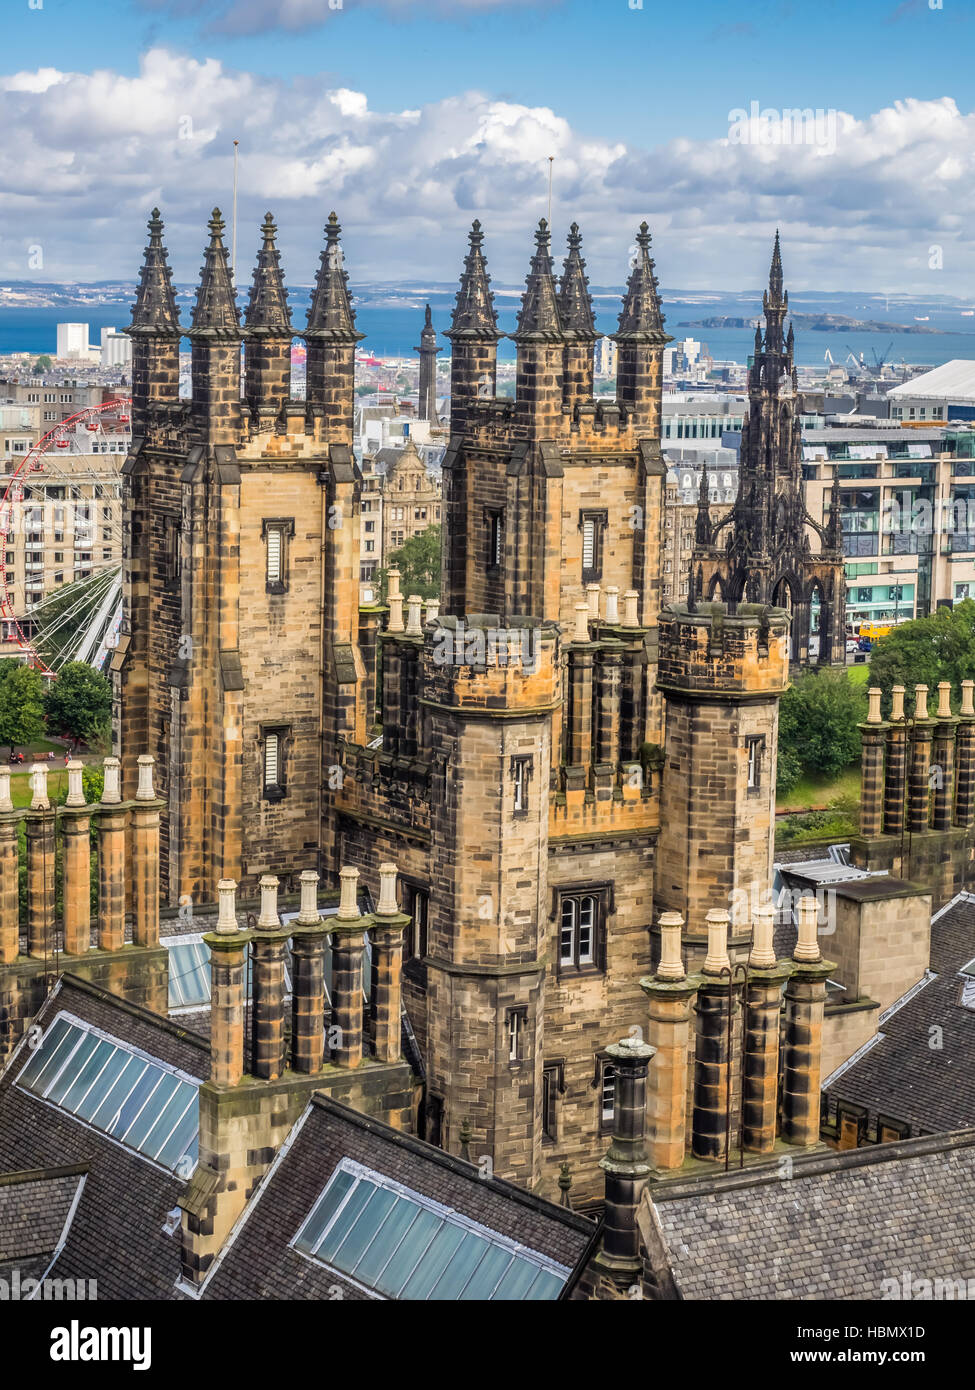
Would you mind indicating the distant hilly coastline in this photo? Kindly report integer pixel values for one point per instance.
(822, 323)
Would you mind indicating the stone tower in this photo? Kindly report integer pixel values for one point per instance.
(240, 513)
(762, 551)
(428, 349)
(722, 672)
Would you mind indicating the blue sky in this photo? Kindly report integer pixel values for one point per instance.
(634, 103)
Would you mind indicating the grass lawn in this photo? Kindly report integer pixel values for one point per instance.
(858, 675)
(820, 791)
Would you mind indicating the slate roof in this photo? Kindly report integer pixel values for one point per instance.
(901, 1076)
(34, 1211)
(836, 1228)
(258, 1262)
(117, 1234)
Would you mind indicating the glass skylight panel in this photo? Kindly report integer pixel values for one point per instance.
(145, 1105)
(189, 971)
(405, 1246)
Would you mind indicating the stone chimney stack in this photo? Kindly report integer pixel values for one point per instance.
(626, 1165)
(805, 1002)
(227, 946)
(965, 758)
(111, 819)
(268, 942)
(309, 940)
(40, 868)
(386, 932)
(75, 818)
(895, 776)
(713, 1052)
(918, 779)
(873, 735)
(670, 994)
(145, 854)
(763, 1005)
(9, 875)
(348, 946)
(943, 758)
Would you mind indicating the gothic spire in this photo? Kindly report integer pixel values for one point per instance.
(539, 317)
(215, 312)
(575, 305)
(834, 528)
(474, 315)
(154, 311)
(640, 319)
(775, 302)
(330, 315)
(702, 529)
(267, 308)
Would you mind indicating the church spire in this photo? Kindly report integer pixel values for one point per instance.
(154, 311)
(215, 312)
(539, 317)
(640, 319)
(330, 315)
(575, 304)
(775, 303)
(267, 307)
(474, 315)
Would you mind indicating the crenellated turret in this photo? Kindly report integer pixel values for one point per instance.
(541, 344)
(155, 333)
(331, 336)
(216, 337)
(268, 331)
(473, 335)
(578, 326)
(640, 341)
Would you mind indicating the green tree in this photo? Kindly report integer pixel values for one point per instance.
(818, 718)
(21, 704)
(43, 364)
(940, 647)
(78, 702)
(418, 562)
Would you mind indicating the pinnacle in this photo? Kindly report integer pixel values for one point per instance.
(267, 307)
(474, 316)
(330, 315)
(640, 319)
(539, 317)
(575, 305)
(154, 312)
(215, 312)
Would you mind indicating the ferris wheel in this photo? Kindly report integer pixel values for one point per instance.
(61, 540)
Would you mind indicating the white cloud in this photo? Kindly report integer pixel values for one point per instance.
(407, 184)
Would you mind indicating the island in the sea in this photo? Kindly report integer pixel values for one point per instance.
(822, 323)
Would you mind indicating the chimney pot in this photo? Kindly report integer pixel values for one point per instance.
(433, 610)
(349, 902)
(612, 604)
(630, 618)
(920, 702)
(112, 794)
(394, 578)
(897, 696)
(581, 633)
(5, 802)
(592, 598)
(38, 783)
(944, 699)
(308, 914)
(967, 705)
(717, 957)
(269, 918)
(807, 945)
(414, 626)
(762, 955)
(227, 909)
(388, 906)
(145, 791)
(873, 714)
(671, 966)
(76, 795)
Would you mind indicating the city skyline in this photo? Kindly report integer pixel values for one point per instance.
(412, 120)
